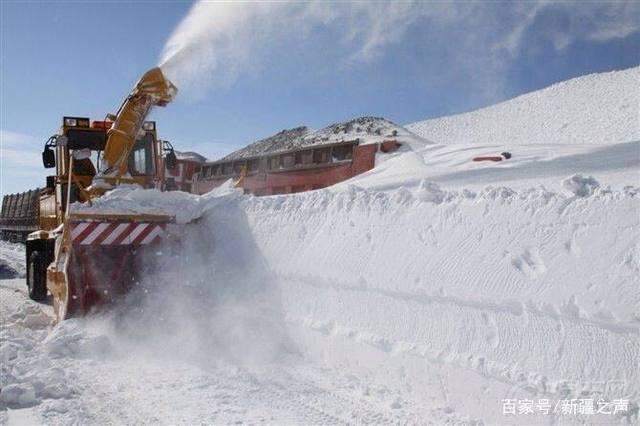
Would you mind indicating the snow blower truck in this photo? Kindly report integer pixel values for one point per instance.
(89, 259)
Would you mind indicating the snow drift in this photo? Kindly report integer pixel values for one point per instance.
(497, 286)
(592, 109)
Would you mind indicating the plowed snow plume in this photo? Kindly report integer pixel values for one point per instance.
(219, 41)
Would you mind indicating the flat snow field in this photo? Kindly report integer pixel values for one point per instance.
(430, 290)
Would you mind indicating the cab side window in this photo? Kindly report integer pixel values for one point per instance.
(141, 157)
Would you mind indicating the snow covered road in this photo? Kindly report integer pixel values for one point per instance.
(86, 372)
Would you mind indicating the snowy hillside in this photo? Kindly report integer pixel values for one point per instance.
(367, 129)
(593, 109)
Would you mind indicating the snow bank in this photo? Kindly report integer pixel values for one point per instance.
(27, 374)
(530, 290)
(12, 260)
(510, 284)
(592, 109)
(531, 165)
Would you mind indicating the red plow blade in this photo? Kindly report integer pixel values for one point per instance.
(102, 258)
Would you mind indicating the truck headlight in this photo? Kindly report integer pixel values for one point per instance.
(149, 125)
(75, 122)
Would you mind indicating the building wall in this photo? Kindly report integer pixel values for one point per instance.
(182, 175)
(298, 180)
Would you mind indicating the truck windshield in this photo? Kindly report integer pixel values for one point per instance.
(87, 139)
(88, 166)
(141, 157)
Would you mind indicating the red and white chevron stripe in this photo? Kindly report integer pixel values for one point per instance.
(105, 233)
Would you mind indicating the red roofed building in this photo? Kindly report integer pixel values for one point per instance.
(300, 159)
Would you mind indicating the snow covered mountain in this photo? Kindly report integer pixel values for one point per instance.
(592, 109)
(367, 129)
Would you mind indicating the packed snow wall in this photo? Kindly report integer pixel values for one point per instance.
(532, 290)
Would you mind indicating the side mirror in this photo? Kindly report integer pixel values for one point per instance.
(171, 160)
(48, 158)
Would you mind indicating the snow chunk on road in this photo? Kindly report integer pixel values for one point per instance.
(18, 394)
(580, 185)
(27, 374)
(71, 339)
(12, 263)
(430, 192)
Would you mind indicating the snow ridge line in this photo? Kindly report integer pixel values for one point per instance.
(428, 192)
(512, 307)
(496, 344)
(511, 374)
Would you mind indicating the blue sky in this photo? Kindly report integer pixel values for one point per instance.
(311, 64)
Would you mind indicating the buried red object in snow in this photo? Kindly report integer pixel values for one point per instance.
(502, 156)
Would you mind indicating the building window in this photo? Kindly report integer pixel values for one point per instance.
(253, 165)
(321, 155)
(227, 168)
(286, 161)
(342, 153)
(274, 163)
(307, 157)
(304, 158)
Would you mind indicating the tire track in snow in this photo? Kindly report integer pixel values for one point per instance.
(507, 306)
(443, 330)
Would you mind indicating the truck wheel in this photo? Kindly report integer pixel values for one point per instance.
(37, 276)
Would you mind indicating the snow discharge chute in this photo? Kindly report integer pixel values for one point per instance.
(152, 89)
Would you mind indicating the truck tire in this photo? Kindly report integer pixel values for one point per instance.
(37, 276)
